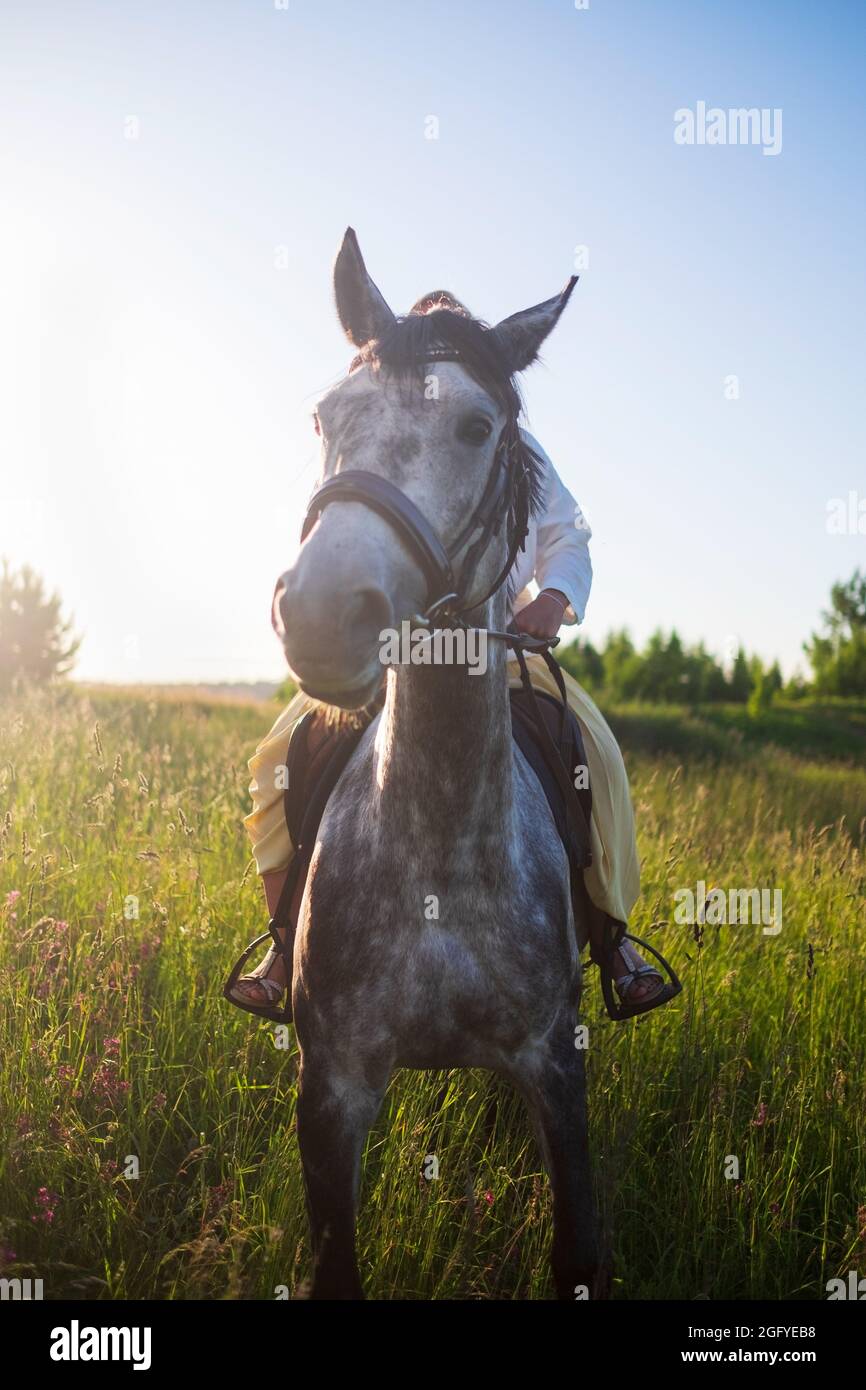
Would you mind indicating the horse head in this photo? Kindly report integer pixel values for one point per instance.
(426, 481)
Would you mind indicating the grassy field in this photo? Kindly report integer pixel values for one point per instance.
(117, 1046)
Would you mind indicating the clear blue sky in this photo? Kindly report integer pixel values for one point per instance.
(159, 363)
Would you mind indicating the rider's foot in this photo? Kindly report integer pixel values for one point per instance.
(635, 981)
(266, 984)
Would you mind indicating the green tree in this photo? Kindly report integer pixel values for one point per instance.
(709, 676)
(661, 671)
(766, 685)
(796, 688)
(286, 691)
(36, 642)
(774, 680)
(618, 655)
(740, 680)
(838, 655)
(582, 661)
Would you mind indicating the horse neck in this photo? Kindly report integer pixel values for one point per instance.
(444, 744)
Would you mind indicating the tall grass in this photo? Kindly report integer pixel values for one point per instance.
(117, 1045)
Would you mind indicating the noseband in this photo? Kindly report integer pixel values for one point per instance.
(505, 501)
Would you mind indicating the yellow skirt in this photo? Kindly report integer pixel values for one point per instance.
(613, 881)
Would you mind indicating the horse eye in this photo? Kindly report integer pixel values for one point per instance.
(475, 429)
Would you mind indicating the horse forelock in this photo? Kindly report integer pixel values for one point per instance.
(404, 353)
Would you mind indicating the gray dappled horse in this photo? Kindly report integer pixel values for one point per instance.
(436, 801)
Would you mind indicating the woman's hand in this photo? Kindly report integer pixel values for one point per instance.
(543, 616)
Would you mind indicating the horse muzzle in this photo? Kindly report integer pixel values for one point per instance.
(332, 640)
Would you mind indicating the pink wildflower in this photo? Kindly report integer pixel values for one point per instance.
(47, 1201)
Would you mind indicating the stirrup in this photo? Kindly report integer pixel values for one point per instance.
(271, 1011)
(621, 1011)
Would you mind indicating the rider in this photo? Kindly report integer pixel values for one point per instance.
(556, 558)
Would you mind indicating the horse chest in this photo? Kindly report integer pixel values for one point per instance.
(448, 972)
(454, 943)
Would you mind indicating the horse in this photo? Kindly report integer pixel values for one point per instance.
(436, 928)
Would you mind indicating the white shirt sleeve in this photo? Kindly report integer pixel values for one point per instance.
(562, 553)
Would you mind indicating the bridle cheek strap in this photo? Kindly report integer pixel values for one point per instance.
(513, 481)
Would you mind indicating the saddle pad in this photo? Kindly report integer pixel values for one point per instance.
(319, 751)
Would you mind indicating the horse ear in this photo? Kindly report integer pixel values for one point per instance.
(361, 308)
(521, 335)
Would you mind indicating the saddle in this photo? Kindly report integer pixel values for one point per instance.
(548, 735)
(318, 754)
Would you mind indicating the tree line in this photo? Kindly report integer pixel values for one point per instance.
(667, 670)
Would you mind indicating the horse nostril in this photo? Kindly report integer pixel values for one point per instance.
(284, 608)
(280, 609)
(366, 612)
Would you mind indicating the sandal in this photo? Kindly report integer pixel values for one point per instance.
(237, 987)
(272, 989)
(664, 991)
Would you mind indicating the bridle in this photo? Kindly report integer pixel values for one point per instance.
(504, 502)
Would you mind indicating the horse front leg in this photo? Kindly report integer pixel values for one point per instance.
(555, 1093)
(334, 1113)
